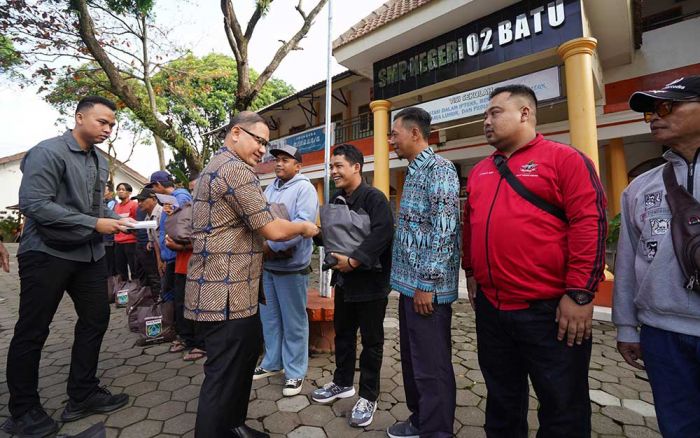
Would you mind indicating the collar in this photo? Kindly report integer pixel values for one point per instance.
(534, 142)
(226, 150)
(73, 143)
(356, 194)
(421, 160)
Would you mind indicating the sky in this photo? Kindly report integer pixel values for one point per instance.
(26, 119)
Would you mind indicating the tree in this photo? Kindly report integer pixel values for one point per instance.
(9, 57)
(198, 94)
(103, 31)
(248, 88)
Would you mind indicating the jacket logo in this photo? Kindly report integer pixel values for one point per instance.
(652, 246)
(659, 226)
(529, 167)
(652, 200)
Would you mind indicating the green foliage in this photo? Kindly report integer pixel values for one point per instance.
(131, 6)
(9, 57)
(199, 95)
(613, 232)
(9, 227)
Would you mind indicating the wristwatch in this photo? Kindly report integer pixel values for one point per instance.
(580, 297)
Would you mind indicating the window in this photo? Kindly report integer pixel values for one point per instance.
(364, 113)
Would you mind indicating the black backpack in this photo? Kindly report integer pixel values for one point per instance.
(685, 227)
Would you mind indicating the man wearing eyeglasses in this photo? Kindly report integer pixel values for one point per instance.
(657, 317)
(231, 220)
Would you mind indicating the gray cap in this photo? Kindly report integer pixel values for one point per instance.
(288, 150)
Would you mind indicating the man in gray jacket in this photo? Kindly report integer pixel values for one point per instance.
(61, 250)
(657, 318)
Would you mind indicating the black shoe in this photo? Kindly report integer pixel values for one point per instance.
(99, 402)
(246, 432)
(35, 423)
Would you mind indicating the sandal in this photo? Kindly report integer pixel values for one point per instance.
(177, 346)
(194, 354)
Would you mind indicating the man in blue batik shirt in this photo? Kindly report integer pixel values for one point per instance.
(425, 269)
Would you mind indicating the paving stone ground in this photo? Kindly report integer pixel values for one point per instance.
(164, 390)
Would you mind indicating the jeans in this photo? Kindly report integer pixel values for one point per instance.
(233, 348)
(368, 316)
(426, 362)
(513, 345)
(43, 279)
(672, 362)
(285, 324)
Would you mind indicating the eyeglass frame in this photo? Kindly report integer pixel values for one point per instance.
(261, 141)
(669, 103)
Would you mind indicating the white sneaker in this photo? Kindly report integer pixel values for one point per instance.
(261, 373)
(362, 413)
(292, 387)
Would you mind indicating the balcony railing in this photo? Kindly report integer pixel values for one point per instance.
(352, 129)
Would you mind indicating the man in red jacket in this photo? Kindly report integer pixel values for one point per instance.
(533, 266)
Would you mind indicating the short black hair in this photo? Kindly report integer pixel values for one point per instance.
(516, 90)
(127, 187)
(109, 185)
(351, 153)
(417, 117)
(90, 101)
(246, 118)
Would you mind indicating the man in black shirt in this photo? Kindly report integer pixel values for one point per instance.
(361, 281)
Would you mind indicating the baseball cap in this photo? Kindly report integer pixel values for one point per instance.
(144, 194)
(685, 88)
(159, 176)
(286, 149)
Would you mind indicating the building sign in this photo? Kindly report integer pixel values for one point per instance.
(544, 83)
(519, 30)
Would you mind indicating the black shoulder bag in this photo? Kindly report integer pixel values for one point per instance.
(521, 190)
(70, 238)
(685, 227)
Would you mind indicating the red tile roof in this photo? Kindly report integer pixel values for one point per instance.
(388, 12)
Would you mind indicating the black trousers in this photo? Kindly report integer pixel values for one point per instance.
(368, 316)
(186, 329)
(513, 345)
(109, 258)
(147, 269)
(124, 260)
(426, 363)
(43, 279)
(233, 348)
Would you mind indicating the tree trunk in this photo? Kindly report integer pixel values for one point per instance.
(149, 90)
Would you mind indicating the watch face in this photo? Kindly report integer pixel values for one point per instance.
(581, 297)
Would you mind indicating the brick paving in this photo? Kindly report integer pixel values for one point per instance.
(164, 389)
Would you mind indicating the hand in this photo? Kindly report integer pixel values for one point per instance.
(309, 229)
(575, 321)
(168, 209)
(149, 246)
(112, 226)
(4, 258)
(161, 268)
(170, 243)
(423, 302)
(471, 291)
(632, 353)
(344, 264)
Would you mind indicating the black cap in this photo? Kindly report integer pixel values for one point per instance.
(287, 150)
(145, 194)
(685, 88)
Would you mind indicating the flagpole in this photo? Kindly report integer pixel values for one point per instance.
(324, 285)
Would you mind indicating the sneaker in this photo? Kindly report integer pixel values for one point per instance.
(403, 429)
(261, 373)
(362, 413)
(331, 391)
(101, 401)
(34, 423)
(292, 387)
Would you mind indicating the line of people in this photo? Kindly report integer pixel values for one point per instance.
(532, 247)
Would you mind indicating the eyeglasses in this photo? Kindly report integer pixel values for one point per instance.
(664, 108)
(261, 141)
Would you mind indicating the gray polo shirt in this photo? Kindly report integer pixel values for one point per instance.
(58, 185)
